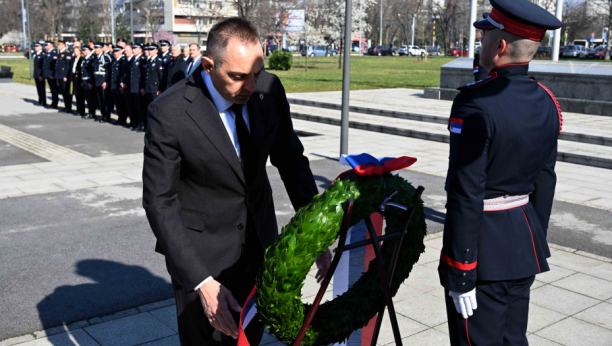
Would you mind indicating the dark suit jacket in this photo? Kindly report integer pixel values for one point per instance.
(176, 70)
(195, 193)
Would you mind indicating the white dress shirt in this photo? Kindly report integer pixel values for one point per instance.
(228, 118)
(74, 65)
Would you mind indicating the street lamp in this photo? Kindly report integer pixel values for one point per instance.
(380, 40)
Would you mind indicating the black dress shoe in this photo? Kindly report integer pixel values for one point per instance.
(88, 116)
(53, 107)
(140, 128)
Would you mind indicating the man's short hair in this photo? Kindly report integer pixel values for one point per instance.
(222, 32)
(194, 44)
(519, 48)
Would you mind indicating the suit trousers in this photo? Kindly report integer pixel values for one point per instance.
(89, 90)
(109, 101)
(138, 112)
(80, 99)
(54, 91)
(101, 102)
(64, 88)
(120, 103)
(500, 318)
(42, 92)
(239, 279)
(127, 101)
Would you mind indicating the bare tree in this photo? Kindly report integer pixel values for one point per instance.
(10, 16)
(53, 16)
(444, 15)
(151, 14)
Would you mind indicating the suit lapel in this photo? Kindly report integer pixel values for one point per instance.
(204, 113)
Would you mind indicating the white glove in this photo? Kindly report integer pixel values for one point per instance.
(465, 303)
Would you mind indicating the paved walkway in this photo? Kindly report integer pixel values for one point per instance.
(571, 305)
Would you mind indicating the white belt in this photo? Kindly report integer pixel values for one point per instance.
(505, 202)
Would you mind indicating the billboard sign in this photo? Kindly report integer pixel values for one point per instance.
(293, 20)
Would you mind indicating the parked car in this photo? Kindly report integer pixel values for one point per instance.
(575, 51)
(411, 50)
(380, 50)
(433, 51)
(544, 52)
(319, 50)
(457, 51)
(10, 48)
(597, 53)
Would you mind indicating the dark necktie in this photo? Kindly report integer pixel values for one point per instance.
(244, 137)
(189, 68)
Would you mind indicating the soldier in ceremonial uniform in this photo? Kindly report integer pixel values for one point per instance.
(101, 73)
(116, 76)
(63, 70)
(165, 56)
(137, 87)
(39, 60)
(49, 72)
(480, 72)
(88, 78)
(500, 183)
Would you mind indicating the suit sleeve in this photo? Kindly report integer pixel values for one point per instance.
(163, 76)
(160, 176)
(143, 75)
(287, 155)
(542, 198)
(465, 189)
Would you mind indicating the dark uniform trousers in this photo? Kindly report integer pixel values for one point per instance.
(127, 102)
(42, 92)
(137, 110)
(121, 108)
(64, 88)
(150, 97)
(109, 100)
(239, 279)
(501, 316)
(89, 90)
(54, 91)
(101, 100)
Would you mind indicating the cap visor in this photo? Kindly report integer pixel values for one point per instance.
(484, 24)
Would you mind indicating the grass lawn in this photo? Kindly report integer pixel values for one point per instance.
(366, 73)
(21, 70)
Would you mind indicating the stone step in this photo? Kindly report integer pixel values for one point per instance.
(569, 151)
(573, 129)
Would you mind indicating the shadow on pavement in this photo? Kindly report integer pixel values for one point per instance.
(435, 216)
(114, 287)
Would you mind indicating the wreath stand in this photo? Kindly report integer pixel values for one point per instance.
(385, 276)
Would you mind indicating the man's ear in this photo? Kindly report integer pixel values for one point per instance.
(502, 46)
(207, 64)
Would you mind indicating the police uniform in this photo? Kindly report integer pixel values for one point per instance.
(101, 74)
(63, 69)
(126, 95)
(115, 84)
(39, 60)
(109, 96)
(137, 79)
(154, 77)
(166, 59)
(500, 187)
(88, 81)
(480, 72)
(49, 74)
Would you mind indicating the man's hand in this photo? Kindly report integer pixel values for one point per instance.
(323, 263)
(104, 86)
(142, 92)
(65, 79)
(158, 93)
(40, 79)
(465, 303)
(215, 300)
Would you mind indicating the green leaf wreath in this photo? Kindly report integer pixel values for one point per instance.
(309, 233)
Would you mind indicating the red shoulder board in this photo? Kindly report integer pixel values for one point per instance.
(478, 84)
(556, 104)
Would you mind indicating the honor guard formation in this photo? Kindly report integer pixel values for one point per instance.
(105, 79)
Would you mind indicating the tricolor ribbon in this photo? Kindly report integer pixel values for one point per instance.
(387, 201)
(368, 165)
(248, 312)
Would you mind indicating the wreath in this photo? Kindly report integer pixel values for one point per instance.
(310, 232)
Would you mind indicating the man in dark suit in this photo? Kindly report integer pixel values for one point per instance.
(48, 73)
(176, 67)
(206, 191)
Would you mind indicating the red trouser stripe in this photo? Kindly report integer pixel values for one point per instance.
(456, 264)
(532, 242)
(466, 333)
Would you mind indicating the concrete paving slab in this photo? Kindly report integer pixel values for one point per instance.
(407, 327)
(169, 341)
(267, 339)
(555, 273)
(442, 328)
(540, 318)
(157, 305)
(572, 261)
(167, 316)
(599, 314)
(535, 340)
(426, 309)
(588, 285)
(561, 300)
(133, 330)
(430, 337)
(17, 340)
(77, 337)
(12, 155)
(603, 271)
(574, 332)
(423, 279)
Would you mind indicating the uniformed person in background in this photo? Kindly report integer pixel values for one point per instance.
(137, 87)
(480, 72)
(38, 62)
(88, 77)
(165, 56)
(101, 73)
(49, 72)
(176, 67)
(63, 71)
(500, 183)
(125, 86)
(154, 76)
(115, 80)
(107, 49)
(121, 43)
